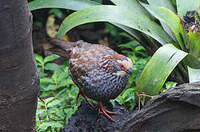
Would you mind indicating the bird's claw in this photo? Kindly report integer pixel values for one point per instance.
(105, 112)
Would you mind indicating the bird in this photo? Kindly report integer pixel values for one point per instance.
(99, 72)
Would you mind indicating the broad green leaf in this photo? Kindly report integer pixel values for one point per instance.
(48, 100)
(194, 75)
(52, 67)
(62, 76)
(53, 103)
(194, 39)
(39, 59)
(192, 61)
(184, 5)
(158, 69)
(51, 58)
(46, 80)
(65, 4)
(55, 75)
(170, 84)
(136, 7)
(170, 18)
(114, 14)
(55, 124)
(132, 5)
(49, 88)
(166, 4)
(162, 3)
(184, 36)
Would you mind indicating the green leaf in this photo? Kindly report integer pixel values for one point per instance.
(194, 75)
(39, 59)
(48, 100)
(192, 61)
(51, 58)
(55, 76)
(158, 69)
(132, 5)
(62, 76)
(46, 80)
(114, 14)
(170, 18)
(65, 83)
(170, 84)
(184, 5)
(52, 67)
(49, 88)
(53, 103)
(55, 124)
(65, 4)
(194, 39)
(162, 3)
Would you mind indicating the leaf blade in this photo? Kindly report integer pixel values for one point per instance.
(158, 69)
(183, 6)
(103, 13)
(65, 4)
(170, 18)
(194, 75)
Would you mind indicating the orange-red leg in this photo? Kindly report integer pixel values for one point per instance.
(104, 111)
(84, 96)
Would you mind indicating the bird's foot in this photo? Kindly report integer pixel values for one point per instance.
(141, 99)
(104, 111)
(84, 96)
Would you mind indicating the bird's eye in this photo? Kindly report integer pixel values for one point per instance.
(120, 65)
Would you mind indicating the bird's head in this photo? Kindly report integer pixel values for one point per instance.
(123, 65)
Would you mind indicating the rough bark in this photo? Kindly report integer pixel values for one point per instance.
(19, 83)
(176, 110)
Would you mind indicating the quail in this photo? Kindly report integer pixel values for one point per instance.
(99, 72)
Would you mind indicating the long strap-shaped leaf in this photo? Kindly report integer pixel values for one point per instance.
(114, 14)
(168, 17)
(194, 74)
(132, 5)
(162, 3)
(158, 69)
(65, 4)
(186, 5)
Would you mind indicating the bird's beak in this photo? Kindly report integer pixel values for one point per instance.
(129, 71)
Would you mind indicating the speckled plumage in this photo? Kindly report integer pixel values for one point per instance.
(100, 73)
(91, 67)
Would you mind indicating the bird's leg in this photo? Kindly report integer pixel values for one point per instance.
(141, 99)
(84, 96)
(104, 111)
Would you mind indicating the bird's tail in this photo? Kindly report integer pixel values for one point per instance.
(67, 46)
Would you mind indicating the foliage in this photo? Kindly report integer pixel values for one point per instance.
(137, 54)
(56, 102)
(158, 23)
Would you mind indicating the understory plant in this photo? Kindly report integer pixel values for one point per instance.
(167, 27)
(56, 102)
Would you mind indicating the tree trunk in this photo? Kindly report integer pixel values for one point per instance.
(19, 83)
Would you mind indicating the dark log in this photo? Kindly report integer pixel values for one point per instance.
(176, 110)
(19, 83)
(87, 119)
